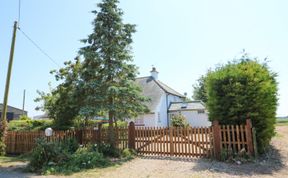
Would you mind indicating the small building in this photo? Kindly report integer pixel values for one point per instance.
(13, 113)
(194, 111)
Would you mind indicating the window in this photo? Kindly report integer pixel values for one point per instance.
(201, 111)
(159, 119)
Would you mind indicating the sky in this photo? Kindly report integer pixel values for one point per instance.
(181, 38)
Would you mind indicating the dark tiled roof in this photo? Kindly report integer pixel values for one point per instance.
(9, 108)
(191, 105)
(154, 89)
(169, 90)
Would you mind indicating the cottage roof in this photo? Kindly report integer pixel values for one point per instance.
(10, 108)
(154, 89)
(191, 105)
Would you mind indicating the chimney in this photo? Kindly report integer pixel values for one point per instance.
(154, 73)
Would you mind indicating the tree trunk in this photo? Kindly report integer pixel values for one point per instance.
(111, 134)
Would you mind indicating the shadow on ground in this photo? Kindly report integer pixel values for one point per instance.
(266, 164)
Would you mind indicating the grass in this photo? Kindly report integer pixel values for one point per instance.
(282, 122)
(11, 160)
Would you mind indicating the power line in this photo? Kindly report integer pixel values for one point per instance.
(19, 12)
(32, 41)
(39, 48)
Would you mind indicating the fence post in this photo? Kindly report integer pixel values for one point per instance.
(171, 141)
(216, 139)
(254, 142)
(99, 133)
(79, 136)
(248, 129)
(131, 135)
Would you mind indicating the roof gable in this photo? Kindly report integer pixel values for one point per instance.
(154, 89)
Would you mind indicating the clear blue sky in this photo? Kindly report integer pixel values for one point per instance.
(182, 38)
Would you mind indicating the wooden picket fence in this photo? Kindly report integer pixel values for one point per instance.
(24, 141)
(182, 142)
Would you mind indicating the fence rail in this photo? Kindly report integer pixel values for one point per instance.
(189, 142)
(184, 142)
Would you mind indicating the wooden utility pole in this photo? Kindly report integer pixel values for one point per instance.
(4, 109)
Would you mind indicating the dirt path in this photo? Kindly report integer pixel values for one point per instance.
(274, 164)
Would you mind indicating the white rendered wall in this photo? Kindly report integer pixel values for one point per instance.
(146, 120)
(159, 117)
(194, 119)
(161, 114)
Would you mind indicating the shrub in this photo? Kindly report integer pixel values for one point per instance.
(107, 150)
(243, 89)
(64, 157)
(83, 158)
(69, 145)
(46, 153)
(27, 125)
(128, 153)
(2, 148)
(179, 120)
(24, 117)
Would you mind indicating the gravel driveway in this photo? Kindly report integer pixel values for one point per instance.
(273, 164)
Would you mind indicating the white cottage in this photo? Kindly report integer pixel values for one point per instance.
(164, 103)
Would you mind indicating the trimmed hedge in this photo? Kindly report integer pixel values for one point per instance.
(244, 89)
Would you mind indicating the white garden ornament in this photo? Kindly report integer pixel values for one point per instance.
(48, 132)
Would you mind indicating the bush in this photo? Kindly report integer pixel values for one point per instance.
(179, 120)
(64, 157)
(46, 153)
(244, 89)
(107, 150)
(128, 153)
(2, 149)
(83, 158)
(29, 125)
(24, 117)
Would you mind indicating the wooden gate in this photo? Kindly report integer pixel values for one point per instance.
(186, 142)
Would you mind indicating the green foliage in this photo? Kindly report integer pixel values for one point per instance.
(179, 120)
(119, 124)
(244, 89)
(282, 122)
(108, 75)
(199, 89)
(64, 157)
(128, 153)
(3, 132)
(63, 103)
(24, 117)
(107, 150)
(2, 149)
(29, 125)
(104, 83)
(46, 153)
(81, 159)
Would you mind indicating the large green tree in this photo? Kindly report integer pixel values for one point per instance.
(244, 89)
(63, 102)
(108, 75)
